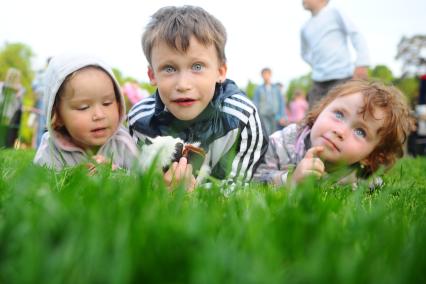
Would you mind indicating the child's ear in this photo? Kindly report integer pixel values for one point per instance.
(151, 76)
(56, 121)
(223, 68)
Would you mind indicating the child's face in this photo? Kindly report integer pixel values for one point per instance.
(186, 81)
(89, 109)
(266, 75)
(313, 5)
(343, 132)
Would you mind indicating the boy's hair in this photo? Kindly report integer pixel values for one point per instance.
(397, 125)
(266, 69)
(176, 25)
(55, 111)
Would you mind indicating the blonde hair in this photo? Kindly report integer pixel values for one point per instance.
(398, 122)
(176, 25)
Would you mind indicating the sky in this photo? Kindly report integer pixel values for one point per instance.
(260, 33)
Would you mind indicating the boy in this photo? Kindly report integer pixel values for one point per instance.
(194, 101)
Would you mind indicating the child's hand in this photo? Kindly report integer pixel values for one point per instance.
(310, 165)
(99, 159)
(283, 121)
(180, 172)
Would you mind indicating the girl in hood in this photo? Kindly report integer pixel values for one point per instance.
(85, 111)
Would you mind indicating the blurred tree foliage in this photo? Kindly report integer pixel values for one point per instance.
(17, 55)
(412, 52)
(250, 89)
(381, 72)
(409, 86)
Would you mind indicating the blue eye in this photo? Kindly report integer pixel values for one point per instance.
(107, 103)
(169, 69)
(197, 67)
(338, 114)
(360, 132)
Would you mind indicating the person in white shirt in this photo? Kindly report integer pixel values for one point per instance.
(324, 46)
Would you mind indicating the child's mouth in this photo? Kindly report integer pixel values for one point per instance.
(331, 144)
(185, 101)
(99, 132)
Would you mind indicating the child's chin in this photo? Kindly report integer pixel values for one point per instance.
(185, 116)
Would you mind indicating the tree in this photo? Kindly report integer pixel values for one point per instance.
(382, 73)
(412, 52)
(250, 89)
(17, 55)
(410, 87)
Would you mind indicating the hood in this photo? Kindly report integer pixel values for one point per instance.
(63, 65)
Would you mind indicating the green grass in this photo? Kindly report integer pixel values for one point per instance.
(117, 228)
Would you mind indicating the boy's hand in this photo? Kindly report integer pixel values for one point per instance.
(310, 165)
(180, 172)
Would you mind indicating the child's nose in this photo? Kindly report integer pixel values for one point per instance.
(98, 113)
(183, 83)
(340, 131)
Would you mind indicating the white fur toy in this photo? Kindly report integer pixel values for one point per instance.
(165, 150)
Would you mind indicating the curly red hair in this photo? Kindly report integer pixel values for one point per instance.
(398, 121)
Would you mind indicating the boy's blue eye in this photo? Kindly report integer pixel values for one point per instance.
(169, 69)
(360, 132)
(107, 103)
(197, 67)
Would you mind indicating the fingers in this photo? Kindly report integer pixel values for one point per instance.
(182, 168)
(100, 159)
(313, 173)
(310, 165)
(180, 172)
(91, 169)
(314, 152)
(169, 175)
(317, 165)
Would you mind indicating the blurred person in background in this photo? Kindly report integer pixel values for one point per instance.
(38, 89)
(11, 94)
(324, 46)
(269, 102)
(298, 107)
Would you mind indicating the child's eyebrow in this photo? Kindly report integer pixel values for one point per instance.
(369, 127)
(89, 99)
(366, 127)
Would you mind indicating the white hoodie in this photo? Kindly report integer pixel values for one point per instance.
(58, 151)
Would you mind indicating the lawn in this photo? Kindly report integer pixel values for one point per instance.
(67, 227)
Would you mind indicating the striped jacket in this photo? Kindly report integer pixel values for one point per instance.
(228, 129)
